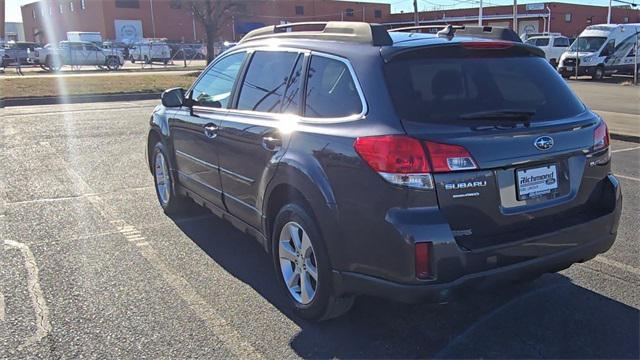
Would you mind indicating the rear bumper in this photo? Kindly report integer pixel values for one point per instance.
(548, 253)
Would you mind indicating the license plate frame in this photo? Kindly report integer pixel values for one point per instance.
(542, 182)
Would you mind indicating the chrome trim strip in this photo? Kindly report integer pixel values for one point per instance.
(202, 162)
(199, 182)
(243, 203)
(236, 175)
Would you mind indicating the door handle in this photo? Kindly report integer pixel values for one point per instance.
(271, 143)
(211, 130)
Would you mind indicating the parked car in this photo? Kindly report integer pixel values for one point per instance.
(17, 52)
(79, 53)
(587, 55)
(149, 52)
(410, 166)
(552, 45)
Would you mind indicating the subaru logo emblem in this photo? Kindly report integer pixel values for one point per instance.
(544, 142)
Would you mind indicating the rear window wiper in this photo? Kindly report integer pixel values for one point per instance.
(510, 114)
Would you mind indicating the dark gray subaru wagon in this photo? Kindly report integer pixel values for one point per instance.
(416, 167)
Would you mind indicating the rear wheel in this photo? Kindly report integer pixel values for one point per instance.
(553, 63)
(53, 63)
(146, 60)
(302, 266)
(113, 63)
(170, 200)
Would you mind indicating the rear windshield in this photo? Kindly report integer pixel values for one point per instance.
(446, 89)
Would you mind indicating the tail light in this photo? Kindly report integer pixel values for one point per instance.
(423, 269)
(601, 137)
(405, 161)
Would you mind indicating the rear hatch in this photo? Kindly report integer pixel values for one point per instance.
(529, 137)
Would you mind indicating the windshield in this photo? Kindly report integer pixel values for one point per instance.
(587, 44)
(449, 89)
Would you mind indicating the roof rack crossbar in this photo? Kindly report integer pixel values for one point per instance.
(359, 32)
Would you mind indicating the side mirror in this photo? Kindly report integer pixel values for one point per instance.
(173, 97)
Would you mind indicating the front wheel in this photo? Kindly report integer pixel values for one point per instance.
(170, 200)
(302, 265)
(113, 63)
(598, 73)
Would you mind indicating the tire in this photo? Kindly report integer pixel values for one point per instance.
(53, 64)
(172, 203)
(132, 59)
(598, 74)
(553, 63)
(296, 264)
(112, 63)
(146, 60)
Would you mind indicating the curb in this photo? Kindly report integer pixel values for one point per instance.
(77, 99)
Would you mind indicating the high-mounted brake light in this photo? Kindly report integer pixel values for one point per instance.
(487, 45)
(601, 137)
(403, 160)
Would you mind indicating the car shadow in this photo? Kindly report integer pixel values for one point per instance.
(550, 317)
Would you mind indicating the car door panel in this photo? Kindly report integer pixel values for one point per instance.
(252, 136)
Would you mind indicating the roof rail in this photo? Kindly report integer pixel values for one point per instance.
(449, 31)
(359, 32)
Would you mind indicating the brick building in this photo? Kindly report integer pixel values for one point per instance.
(568, 19)
(50, 20)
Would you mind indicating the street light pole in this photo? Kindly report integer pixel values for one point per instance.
(480, 14)
(153, 20)
(609, 13)
(416, 20)
(515, 16)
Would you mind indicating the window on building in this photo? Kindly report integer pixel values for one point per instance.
(567, 17)
(175, 4)
(60, 8)
(43, 11)
(331, 91)
(50, 11)
(377, 14)
(33, 13)
(299, 10)
(214, 88)
(71, 6)
(263, 91)
(128, 4)
(625, 19)
(348, 12)
(83, 5)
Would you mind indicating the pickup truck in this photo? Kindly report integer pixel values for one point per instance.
(76, 53)
(552, 45)
(14, 52)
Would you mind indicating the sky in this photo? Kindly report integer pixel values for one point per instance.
(12, 7)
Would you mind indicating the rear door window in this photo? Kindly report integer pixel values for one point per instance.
(266, 81)
(331, 90)
(561, 42)
(444, 89)
(542, 42)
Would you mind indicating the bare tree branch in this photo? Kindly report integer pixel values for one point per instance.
(213, 15)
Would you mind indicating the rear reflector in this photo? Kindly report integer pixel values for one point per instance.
(601, 137)
(488, 45)
(422, 260)
(445, 157)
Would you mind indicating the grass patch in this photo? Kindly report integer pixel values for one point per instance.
(16, 87)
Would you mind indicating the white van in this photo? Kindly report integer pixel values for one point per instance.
(149, 51)
(624, 57)
(592, 48)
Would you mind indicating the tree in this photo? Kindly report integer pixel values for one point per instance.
(213, 15)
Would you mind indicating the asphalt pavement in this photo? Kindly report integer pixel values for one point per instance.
(91, 267)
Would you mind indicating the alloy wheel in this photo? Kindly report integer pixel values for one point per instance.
(163, 180)
(298, 263)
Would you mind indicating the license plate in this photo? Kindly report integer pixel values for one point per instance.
(569, 68)
(537, 182)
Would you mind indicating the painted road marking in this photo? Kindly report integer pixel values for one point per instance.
(1, 307)
(623, 150)
(627, 177)
(43, 326)
(617, 265)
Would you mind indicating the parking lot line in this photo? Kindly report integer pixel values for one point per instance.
(627, 149)
(627, 177)
(1, 307)
(617, 265)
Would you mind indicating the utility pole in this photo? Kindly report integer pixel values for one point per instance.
(480, 14)
(515, 16)
(153, 20)
(609, 13)
(416, 20)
